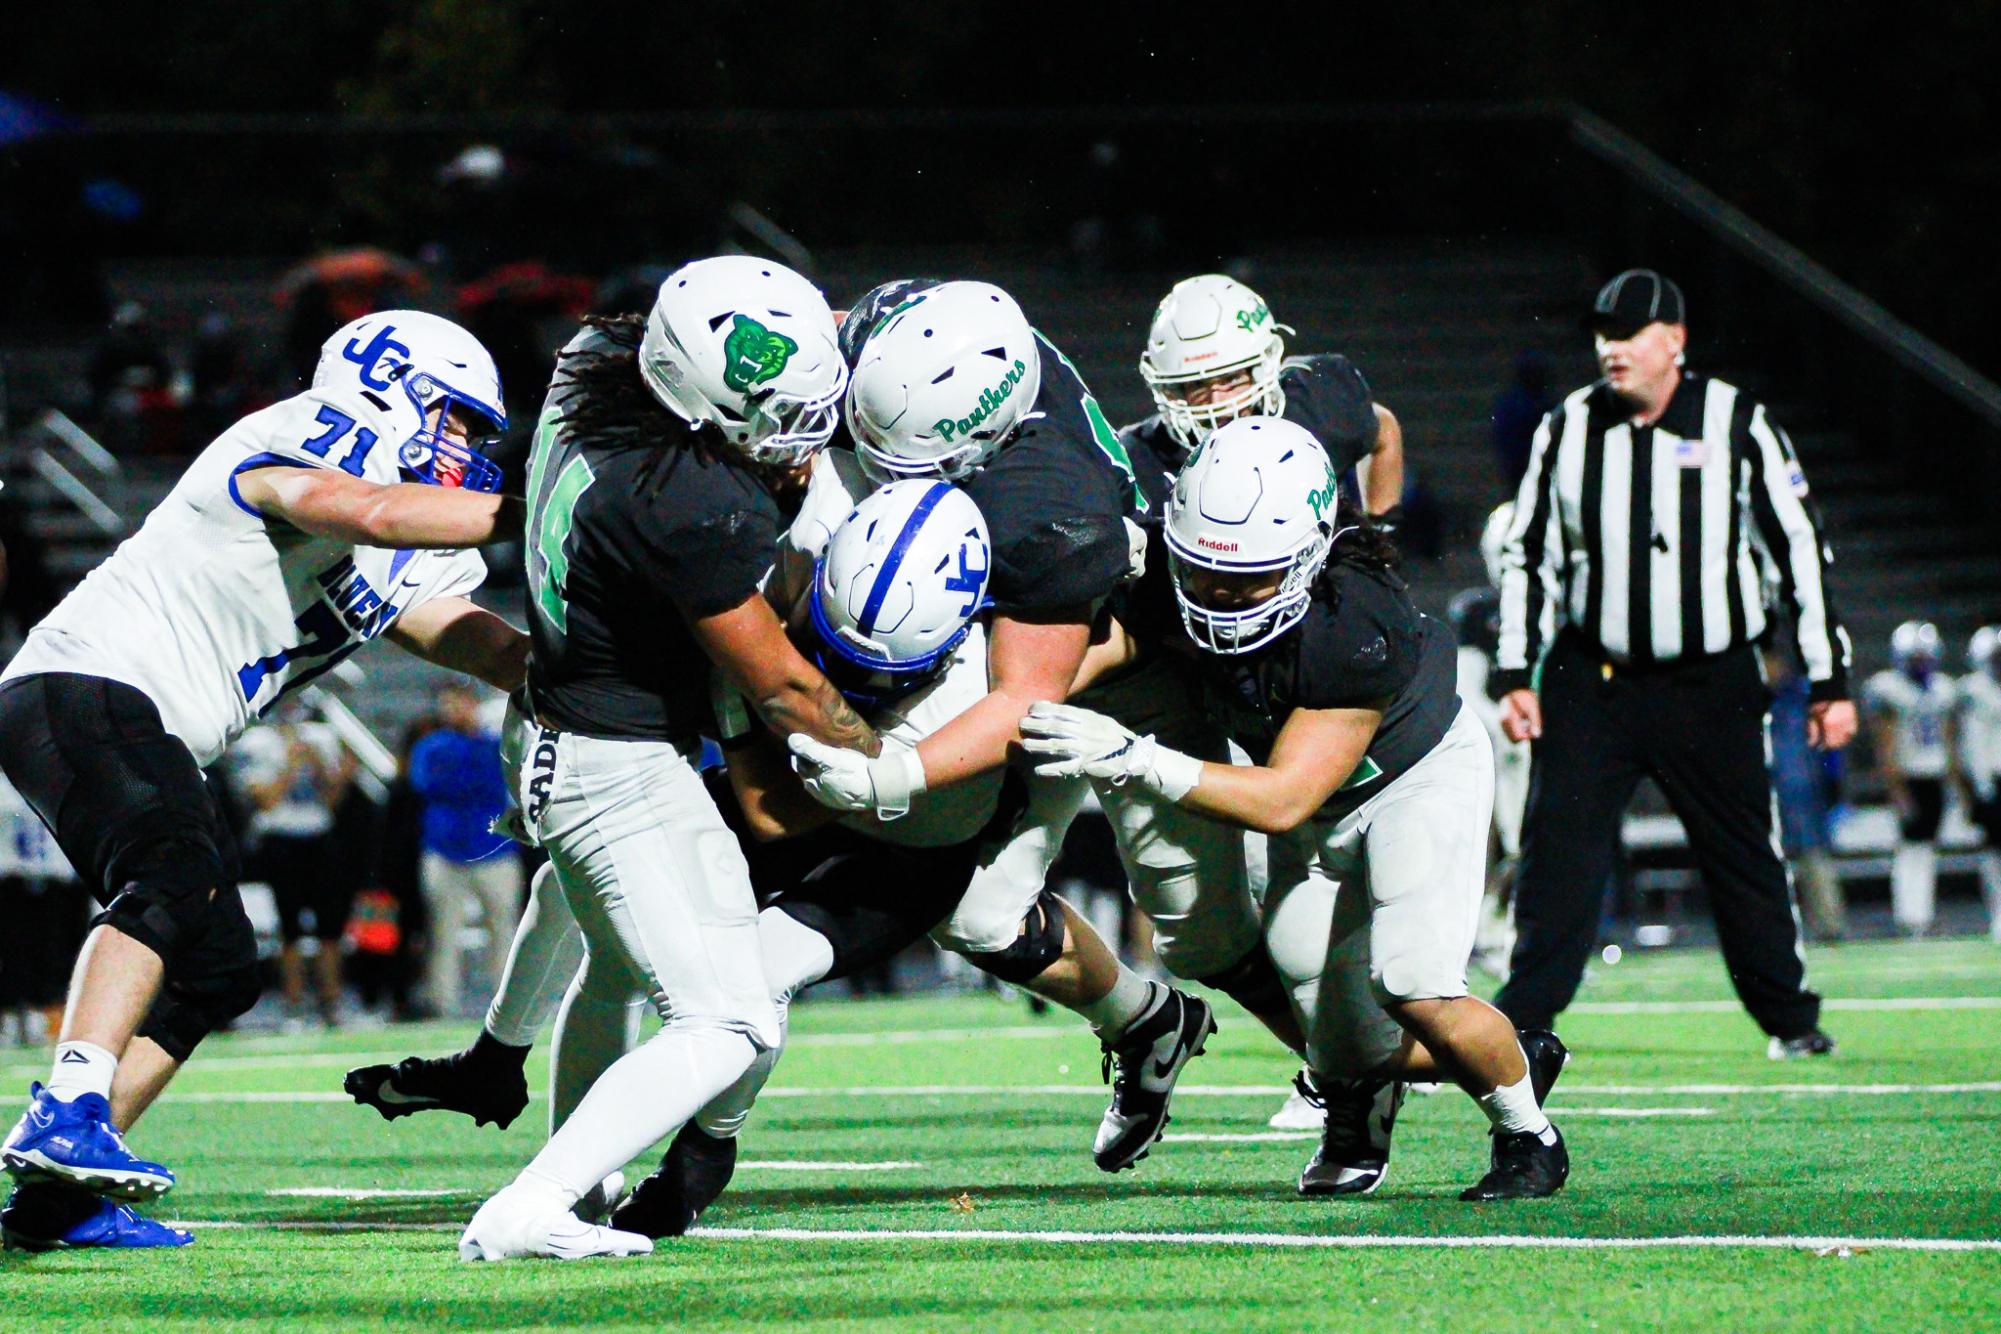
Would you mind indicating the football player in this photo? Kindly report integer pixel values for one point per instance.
(951, 382)
(1980, 758)
(893, 608)
(1913, 705)
(1373, 784)
(305, 530)
(662, 466)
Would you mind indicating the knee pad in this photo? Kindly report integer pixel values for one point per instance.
(1252, 982)
(1038, 945)
(186, 1012)
(164, 905)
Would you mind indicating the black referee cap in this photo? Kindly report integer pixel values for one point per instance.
(1632, 301)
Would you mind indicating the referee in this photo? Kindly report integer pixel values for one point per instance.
(1654, 502)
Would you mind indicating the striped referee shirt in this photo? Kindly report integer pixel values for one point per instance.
(1655, 542)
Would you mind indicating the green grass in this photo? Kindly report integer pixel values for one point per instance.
(1763, 1161)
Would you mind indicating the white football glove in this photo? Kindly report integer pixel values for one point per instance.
(848, 780)
(1079, 741)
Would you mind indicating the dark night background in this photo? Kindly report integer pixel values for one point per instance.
(1869, 142)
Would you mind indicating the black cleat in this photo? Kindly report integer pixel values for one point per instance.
(1546, 1057)
(1524, 1168)
(1149, 1056)
(696, 1170)
(38, 1214)
(1354, 1153)
(485, 1081)
(1813, 1042)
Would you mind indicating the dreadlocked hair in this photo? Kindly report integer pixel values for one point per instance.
(604, 398)
(1358, 545)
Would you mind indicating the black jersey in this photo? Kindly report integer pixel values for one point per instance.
(1361, 641)
(1325, 393)
(1057, 494)
(629, 542)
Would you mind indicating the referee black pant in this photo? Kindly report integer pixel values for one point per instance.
(1698, 729)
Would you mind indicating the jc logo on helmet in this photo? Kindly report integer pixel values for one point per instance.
(371, 356)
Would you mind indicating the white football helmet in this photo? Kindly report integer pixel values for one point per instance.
(942, 382)
(1983, 651)
(748, 346)
(1260, 495)
(415, 362)
(901, 580)
(1207, 327)
(1914, 643)
(1495, 536)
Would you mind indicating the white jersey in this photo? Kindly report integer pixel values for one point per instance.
(1980, 731)
(1511, 758)
(1920, 714)
(260, 758)
(213, 611)
(937, 818)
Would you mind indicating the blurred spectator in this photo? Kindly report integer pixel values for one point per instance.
(1912, 708)
(28, 592)
(396, 875)
(456, 772)
(132, 392)
(223, 381)
(46, 912)
(1807, 782)
(296, 776)
(334, 287)
(1517, 412)
(1980, 759)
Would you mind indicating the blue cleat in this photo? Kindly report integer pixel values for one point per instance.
(76, 1142)
(45, 1216)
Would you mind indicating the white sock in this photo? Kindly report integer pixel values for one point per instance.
(646, 1095)
(1512, 1108)
(1131, 999)
(80, 1068)
(543, 957)
(1913, 885)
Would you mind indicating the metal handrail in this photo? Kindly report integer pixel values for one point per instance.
(1731, 225)
(77, 492)
(96, 457)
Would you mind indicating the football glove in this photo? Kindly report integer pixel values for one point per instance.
(848, 780)
(1080, 742)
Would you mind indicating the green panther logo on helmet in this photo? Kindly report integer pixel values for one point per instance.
(753, 354)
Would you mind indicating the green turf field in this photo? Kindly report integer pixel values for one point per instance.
(960, 1129)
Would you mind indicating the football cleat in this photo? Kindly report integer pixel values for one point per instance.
(1300, 1110)
(600, 1199)
(1354, 1153)
(50, 1216)
(1546, 1056)
(696, 1170)
(486, 1081)
(76, 1142)
(1522, 1167)
(1149, 1056)
(519, 1223)
(1813, 1043)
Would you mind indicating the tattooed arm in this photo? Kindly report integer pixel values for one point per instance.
(749, 644)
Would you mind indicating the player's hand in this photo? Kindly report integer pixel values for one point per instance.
(1521, 715)
(847, 780)
(1831, 723)
(1079, 742)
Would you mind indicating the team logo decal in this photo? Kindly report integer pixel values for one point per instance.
(753, 354)
(1249, 320)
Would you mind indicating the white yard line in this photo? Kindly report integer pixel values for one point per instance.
(1558, 1110)
(362, 1193)
(1204, 1091)
(803, 1165)
(1262, 1240)
(1839, 1003)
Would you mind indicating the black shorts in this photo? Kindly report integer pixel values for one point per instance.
(1920, 823)
(128, 807)
(306, 877)
(870, 899)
